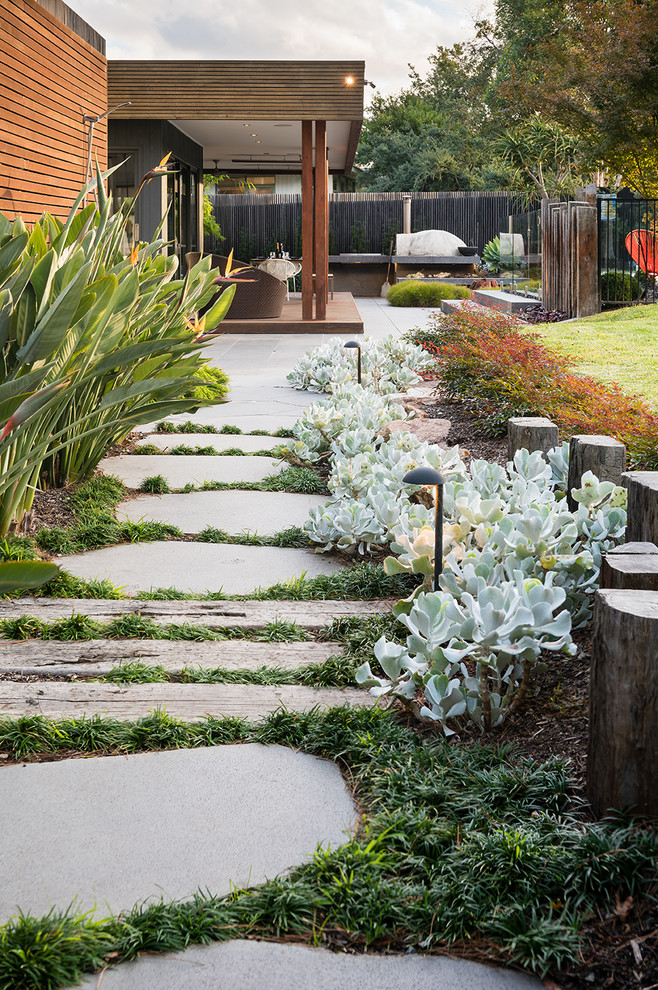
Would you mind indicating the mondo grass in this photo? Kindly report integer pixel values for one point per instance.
(190, 427)
(334, 672)
(294, 537)
(297, 480)
(80, 626)
(457, 844)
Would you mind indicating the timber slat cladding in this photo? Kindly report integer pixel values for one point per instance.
(50, 77)
(214, 614)
(94, 657)
(236, 90)
(192, 702)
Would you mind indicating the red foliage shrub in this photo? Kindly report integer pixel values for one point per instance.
(485, 359)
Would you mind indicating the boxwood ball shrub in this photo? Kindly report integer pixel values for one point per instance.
(416, 293)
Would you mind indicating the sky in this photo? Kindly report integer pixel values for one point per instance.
(387, 34)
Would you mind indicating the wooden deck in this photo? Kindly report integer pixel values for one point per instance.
(342, 317)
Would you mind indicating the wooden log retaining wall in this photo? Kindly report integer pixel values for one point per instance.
(50, 77)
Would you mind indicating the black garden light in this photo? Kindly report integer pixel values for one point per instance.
(427, 476)
(353, 343)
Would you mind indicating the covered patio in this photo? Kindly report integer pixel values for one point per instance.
(299, 118)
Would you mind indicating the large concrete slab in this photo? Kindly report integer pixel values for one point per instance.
(264, 513)
(218, 441)
(194, 469)
(242, 965)
(114, 831)
(196, 567)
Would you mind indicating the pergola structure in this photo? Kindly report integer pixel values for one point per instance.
(269, 116)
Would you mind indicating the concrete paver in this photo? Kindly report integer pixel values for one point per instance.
(235, 512)
(196, 567)
(249, 965)
(218, 441)
(194, 469)
(114, 831)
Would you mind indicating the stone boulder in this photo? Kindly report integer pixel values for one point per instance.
(426, 430)
(430, 243)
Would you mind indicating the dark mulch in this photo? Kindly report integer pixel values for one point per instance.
(475, 441)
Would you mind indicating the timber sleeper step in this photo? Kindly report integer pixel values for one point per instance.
(312, 615)
(92, 658)
(191, 702)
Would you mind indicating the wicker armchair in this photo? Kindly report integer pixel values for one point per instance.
(262, 298)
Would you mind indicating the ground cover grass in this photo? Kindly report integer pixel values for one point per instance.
(475, 848)
(617, 346)
(191, 427)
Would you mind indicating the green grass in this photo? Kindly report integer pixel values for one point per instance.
(132, 626)
(299, 480)
(156, 484)
(458, 846)
(291, 537)
(619, 346)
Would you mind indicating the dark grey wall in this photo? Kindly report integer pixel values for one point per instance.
(149, 141)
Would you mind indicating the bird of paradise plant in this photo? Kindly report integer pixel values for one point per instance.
(91, 343)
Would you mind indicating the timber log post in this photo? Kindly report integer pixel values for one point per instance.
(531, 432)
(622, 758)
(631, 567)
(642, 509)
(603, 456)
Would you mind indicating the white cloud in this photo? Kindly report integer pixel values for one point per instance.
(387, 35)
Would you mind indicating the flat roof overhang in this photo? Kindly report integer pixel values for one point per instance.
(246, 114)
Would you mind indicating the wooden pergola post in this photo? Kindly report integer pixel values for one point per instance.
(307, 219)
(321, 214)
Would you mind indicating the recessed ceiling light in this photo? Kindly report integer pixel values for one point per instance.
(349, 80)
(254, 135)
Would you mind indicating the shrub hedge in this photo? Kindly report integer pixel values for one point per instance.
(489, 361)
(416, 293)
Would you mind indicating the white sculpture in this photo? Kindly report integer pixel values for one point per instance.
(429, 243)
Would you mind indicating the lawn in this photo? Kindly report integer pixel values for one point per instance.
(619, 346)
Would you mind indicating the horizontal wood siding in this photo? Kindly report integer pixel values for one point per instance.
(50, 77)
(232, 90)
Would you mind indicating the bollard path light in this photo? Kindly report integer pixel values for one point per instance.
(353, 343)
(429, 477)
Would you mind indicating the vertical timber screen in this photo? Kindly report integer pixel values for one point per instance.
(359, 223)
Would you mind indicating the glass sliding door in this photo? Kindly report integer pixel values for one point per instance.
(182, 217)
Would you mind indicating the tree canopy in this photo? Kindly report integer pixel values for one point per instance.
(544, 94)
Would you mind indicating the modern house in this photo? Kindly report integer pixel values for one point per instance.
(65, 105)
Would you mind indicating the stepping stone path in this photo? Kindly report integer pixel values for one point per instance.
(219, 441)
(235, 512)
(250, 965)
(194, 469)
(115, 831)
(196, 568)
(207, 818)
